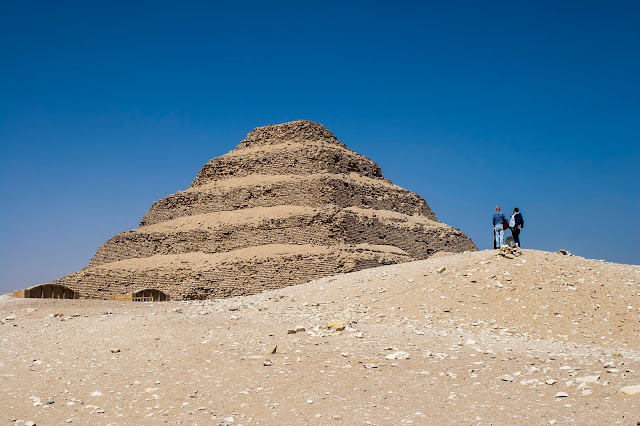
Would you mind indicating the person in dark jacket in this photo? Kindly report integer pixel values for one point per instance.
(515, 224)
(498, 229)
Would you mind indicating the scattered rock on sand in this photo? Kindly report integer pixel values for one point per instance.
(630, 390)
(398, 355)
(335, 325)
(588, 379)
(516, 330)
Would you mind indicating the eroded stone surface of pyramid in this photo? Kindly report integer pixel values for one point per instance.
(290, 204)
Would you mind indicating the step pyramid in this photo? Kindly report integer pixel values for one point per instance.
(288, 205)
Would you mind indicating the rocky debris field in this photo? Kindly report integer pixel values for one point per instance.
(484, 337)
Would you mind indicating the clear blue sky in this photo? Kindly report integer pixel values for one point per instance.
(108, 106)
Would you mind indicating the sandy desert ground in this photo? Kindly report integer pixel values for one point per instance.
(471, 338)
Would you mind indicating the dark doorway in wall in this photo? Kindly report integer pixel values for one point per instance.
(150, 295)
(50, 291)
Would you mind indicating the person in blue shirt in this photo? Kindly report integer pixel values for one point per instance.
(498, 228)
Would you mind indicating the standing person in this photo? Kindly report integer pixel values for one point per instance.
(516, 223)
(498, 228)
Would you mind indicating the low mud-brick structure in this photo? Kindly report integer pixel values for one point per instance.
(290, 204)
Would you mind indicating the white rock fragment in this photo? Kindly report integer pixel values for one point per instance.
(588, 379)
(96, 393)
(398, 355)
(336, 325)
(630, 390)
(562, 395)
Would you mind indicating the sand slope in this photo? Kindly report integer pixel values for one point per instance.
(489, 340)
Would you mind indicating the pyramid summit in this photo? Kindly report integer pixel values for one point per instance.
(293, 131)
(294, 148)
(291, 203)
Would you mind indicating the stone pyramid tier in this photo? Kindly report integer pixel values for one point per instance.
(290, 204)
(314, 190)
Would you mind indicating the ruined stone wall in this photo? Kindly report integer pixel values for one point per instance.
(419, 241)
(325, 228)
(135, 245)
(223, 280)
(297, 160)
(314, 193)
